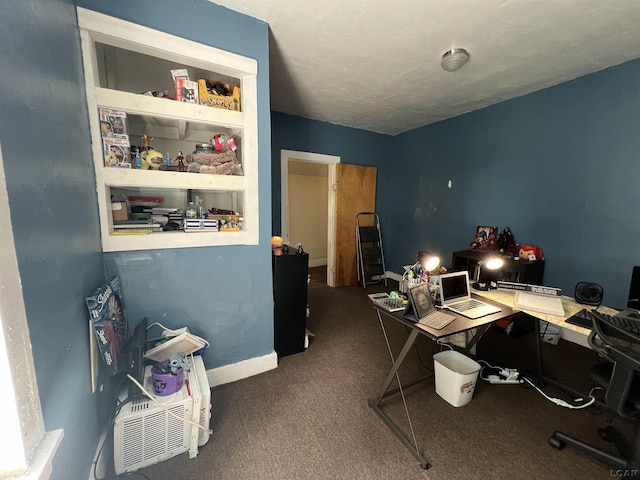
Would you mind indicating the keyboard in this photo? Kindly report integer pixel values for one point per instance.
(437, 320)
(627, 324)
(468, 305)
(584, 319)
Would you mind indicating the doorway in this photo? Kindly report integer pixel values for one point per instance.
(305, 171)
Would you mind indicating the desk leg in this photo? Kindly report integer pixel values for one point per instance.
(374, 403)
(480, 331)
(536, 329)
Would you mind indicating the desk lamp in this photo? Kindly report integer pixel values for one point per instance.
(492, 263)
(427, 262)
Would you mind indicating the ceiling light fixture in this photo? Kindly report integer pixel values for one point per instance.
(454, 59)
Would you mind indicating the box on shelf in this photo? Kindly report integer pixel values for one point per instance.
(186, 89)
(112, 122)
(117, 151)
(226, 218)
(209, 99)
(119, 211)
(200, 225)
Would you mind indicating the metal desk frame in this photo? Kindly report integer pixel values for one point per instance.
(459, 325)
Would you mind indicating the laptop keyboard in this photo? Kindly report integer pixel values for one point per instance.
(437, 320)
(468, 305)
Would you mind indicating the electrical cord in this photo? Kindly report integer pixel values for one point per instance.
(176, 332)
(444, 344)
(499, 370)
(151, 397)
(562, 403)
(110, 424)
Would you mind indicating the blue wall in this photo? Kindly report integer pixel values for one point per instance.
(44, 133)
(356, 147)
(558, 166)
(207, 288)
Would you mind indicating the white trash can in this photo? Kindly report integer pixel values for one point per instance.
(456, 376)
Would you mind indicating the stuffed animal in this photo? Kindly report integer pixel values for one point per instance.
(526, 251)
(177, 361)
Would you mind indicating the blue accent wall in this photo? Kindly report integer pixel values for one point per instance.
(353, 146)
(223, 294)
(558, 166)
(44, 134)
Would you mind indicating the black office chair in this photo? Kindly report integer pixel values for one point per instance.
(619, 378)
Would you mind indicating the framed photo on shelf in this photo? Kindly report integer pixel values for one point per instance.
(486, 238)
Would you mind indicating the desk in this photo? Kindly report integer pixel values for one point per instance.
(569, 332)
(460, 324)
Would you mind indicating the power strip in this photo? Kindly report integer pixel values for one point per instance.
(506, 376)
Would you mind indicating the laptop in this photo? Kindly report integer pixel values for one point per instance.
(455, 295)
(422, 310)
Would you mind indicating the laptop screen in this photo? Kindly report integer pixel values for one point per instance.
(454, 286)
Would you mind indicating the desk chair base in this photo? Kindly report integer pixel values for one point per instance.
(629, 452)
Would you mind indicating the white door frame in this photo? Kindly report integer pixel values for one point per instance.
(330, 161)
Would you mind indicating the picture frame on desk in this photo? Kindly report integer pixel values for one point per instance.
(485, 239)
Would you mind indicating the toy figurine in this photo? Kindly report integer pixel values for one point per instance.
(177, 361)
(180, 158)
(167, 160)
(138, 159)
(146, 141)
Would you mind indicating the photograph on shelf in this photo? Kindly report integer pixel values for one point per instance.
(486, 238)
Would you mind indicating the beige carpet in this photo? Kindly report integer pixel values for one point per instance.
(309, 418)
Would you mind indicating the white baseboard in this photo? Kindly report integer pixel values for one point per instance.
(393, 276)
(317, 262)
(245, 369)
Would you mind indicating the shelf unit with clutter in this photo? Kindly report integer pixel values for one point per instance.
(152, 138)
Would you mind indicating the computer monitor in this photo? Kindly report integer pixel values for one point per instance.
(135, 350)
(633, 300)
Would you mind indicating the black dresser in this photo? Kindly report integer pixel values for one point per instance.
(290, 274)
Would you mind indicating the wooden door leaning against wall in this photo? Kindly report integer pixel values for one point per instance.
(356, 192)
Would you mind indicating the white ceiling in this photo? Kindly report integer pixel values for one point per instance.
(375, 64)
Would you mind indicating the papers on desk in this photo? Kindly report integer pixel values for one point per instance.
(549, 304)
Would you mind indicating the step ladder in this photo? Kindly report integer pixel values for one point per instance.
(370, 256)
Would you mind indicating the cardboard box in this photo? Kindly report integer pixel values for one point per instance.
(186, 90)
(117, 151)
(112, 122)
(219, 101)
(119, 211)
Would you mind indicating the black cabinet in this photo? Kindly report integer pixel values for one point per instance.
(290, 275)
(521, 271)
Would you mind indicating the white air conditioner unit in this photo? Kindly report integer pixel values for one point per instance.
(145, 433)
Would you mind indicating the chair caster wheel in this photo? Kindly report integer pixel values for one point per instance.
(556, 442)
